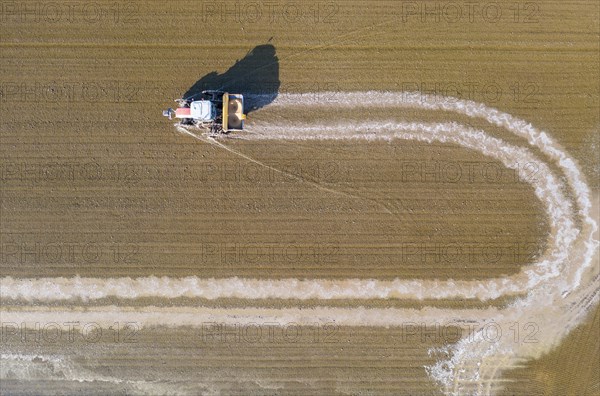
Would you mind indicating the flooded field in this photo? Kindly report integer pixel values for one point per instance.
(378, 228)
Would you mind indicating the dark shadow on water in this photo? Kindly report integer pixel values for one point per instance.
(256, 76)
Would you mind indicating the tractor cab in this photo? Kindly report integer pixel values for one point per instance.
(203, 110)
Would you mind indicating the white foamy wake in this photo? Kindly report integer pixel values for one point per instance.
(561, 286)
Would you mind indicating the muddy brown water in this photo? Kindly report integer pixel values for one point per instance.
(95, 182)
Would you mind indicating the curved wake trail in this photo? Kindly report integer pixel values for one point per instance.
(546, 188)
(560, 287)
(555, 283)
(556, 294)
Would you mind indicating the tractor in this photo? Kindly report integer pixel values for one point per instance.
(215, 111)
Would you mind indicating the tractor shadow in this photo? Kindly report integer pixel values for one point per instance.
(256, 76)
